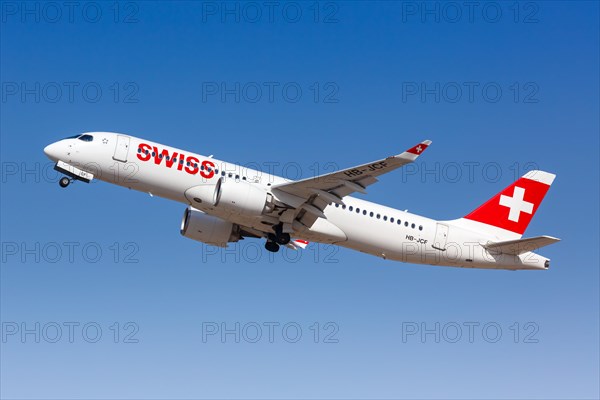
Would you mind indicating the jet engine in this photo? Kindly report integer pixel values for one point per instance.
(206, 193)
(205, 228)
(244, 198)
(235, 196)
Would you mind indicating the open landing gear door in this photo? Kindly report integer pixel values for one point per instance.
(121, 148)
(73, 172)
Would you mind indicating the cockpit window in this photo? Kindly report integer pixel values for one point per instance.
(73, 137)
(86, 138)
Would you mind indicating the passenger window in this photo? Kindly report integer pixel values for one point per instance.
(413, 226)
(420, 227)
(406, 223)
(358, 210)
(378, 216)
(392, 220)
(350, 208)
(399, 222)
(385, 217)
(371, 214)
(364, 212)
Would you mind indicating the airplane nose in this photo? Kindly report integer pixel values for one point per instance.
(52, 151)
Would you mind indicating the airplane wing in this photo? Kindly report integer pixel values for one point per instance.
(520, 246)
(310, 196)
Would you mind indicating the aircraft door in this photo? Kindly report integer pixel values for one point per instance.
(121, 148)
(441, 236)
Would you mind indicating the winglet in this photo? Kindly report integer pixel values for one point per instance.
(421, 147)
(297, 244)
(416, 150)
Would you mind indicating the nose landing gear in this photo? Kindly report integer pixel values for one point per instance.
(64, 182)
(72, 174)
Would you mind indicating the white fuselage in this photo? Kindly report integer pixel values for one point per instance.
(360, 225)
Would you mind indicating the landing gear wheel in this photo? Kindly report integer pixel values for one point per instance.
(272, 246)
(279, 236)
(284, 238)
(64, 182)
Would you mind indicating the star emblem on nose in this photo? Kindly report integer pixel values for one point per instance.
(105, 140)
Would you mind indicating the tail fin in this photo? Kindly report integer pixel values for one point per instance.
(513, 208)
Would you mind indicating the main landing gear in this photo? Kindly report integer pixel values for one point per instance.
(274, 240)
(64, 182)
(272, 246)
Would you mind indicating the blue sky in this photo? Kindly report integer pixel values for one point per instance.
(500, 89)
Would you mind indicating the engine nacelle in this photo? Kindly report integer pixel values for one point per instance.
(205, 228)
(244, 198)
(206, 193)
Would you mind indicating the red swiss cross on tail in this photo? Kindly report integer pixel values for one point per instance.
(513, 208)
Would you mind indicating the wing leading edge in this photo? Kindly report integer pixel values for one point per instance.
(310, 196)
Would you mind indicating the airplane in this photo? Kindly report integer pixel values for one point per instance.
(227, 203)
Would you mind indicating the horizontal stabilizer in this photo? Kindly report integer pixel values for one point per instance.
(520, 246)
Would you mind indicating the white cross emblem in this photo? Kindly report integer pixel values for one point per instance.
(516, 204)
(419, 149)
